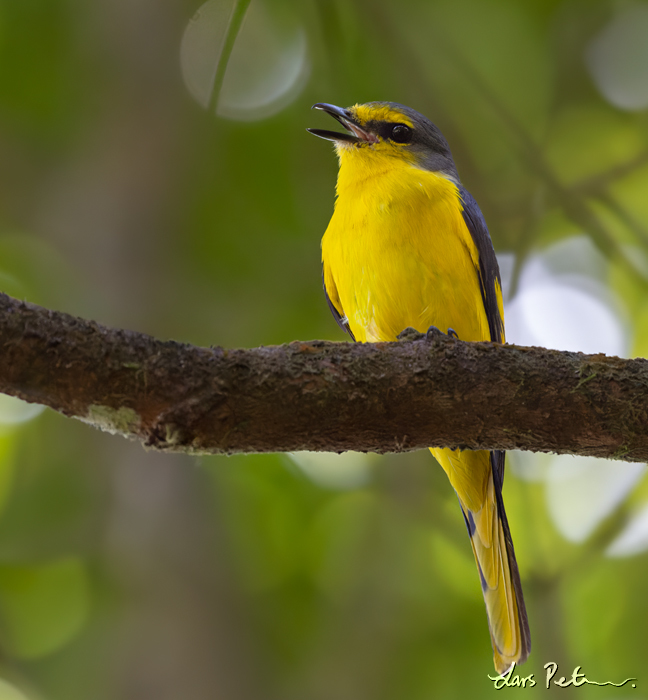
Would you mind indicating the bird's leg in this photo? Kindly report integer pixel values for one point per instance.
(453, 333)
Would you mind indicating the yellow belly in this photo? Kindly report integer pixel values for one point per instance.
(398, 254)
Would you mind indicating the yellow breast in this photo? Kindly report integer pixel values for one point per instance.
(397, 254)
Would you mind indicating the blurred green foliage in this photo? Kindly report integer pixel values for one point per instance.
(127, 574)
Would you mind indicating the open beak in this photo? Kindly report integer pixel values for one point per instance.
(356, 134)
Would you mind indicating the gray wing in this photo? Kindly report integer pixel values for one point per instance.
(488, 276)
(488, 267)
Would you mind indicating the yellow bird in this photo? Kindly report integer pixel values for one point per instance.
(407, 246)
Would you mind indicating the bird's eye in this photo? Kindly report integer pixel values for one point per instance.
(401, 133)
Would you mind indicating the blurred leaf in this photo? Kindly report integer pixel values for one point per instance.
(56, 501)
(31, 268)
(10, 692)
(42, 607)
(265, 514)
(38, 97)
(586, 139)
(456, 567)
(594, 604)
(339, 543)
(7, 464)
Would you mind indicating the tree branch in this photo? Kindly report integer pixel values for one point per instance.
(317, 395)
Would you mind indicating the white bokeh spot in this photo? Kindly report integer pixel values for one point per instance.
(617, 58)
(13, 411)
(266, 70)
(583, 491)
(558, 305)
(634, 537)
(346, 471)
(562, 302)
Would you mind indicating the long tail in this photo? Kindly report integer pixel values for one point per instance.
(477, 478)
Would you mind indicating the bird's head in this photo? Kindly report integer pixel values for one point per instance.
(380, 131)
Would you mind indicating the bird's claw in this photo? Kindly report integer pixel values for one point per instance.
(412, 334)
(433, 331)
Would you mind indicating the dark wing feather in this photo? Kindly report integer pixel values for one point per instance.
(488, 267)
(488, 276)
(339, 319)
(497, 461)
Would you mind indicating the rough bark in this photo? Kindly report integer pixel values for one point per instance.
(317, 395)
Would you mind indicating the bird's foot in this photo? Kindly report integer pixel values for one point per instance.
(409, 334)
(434, 331)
